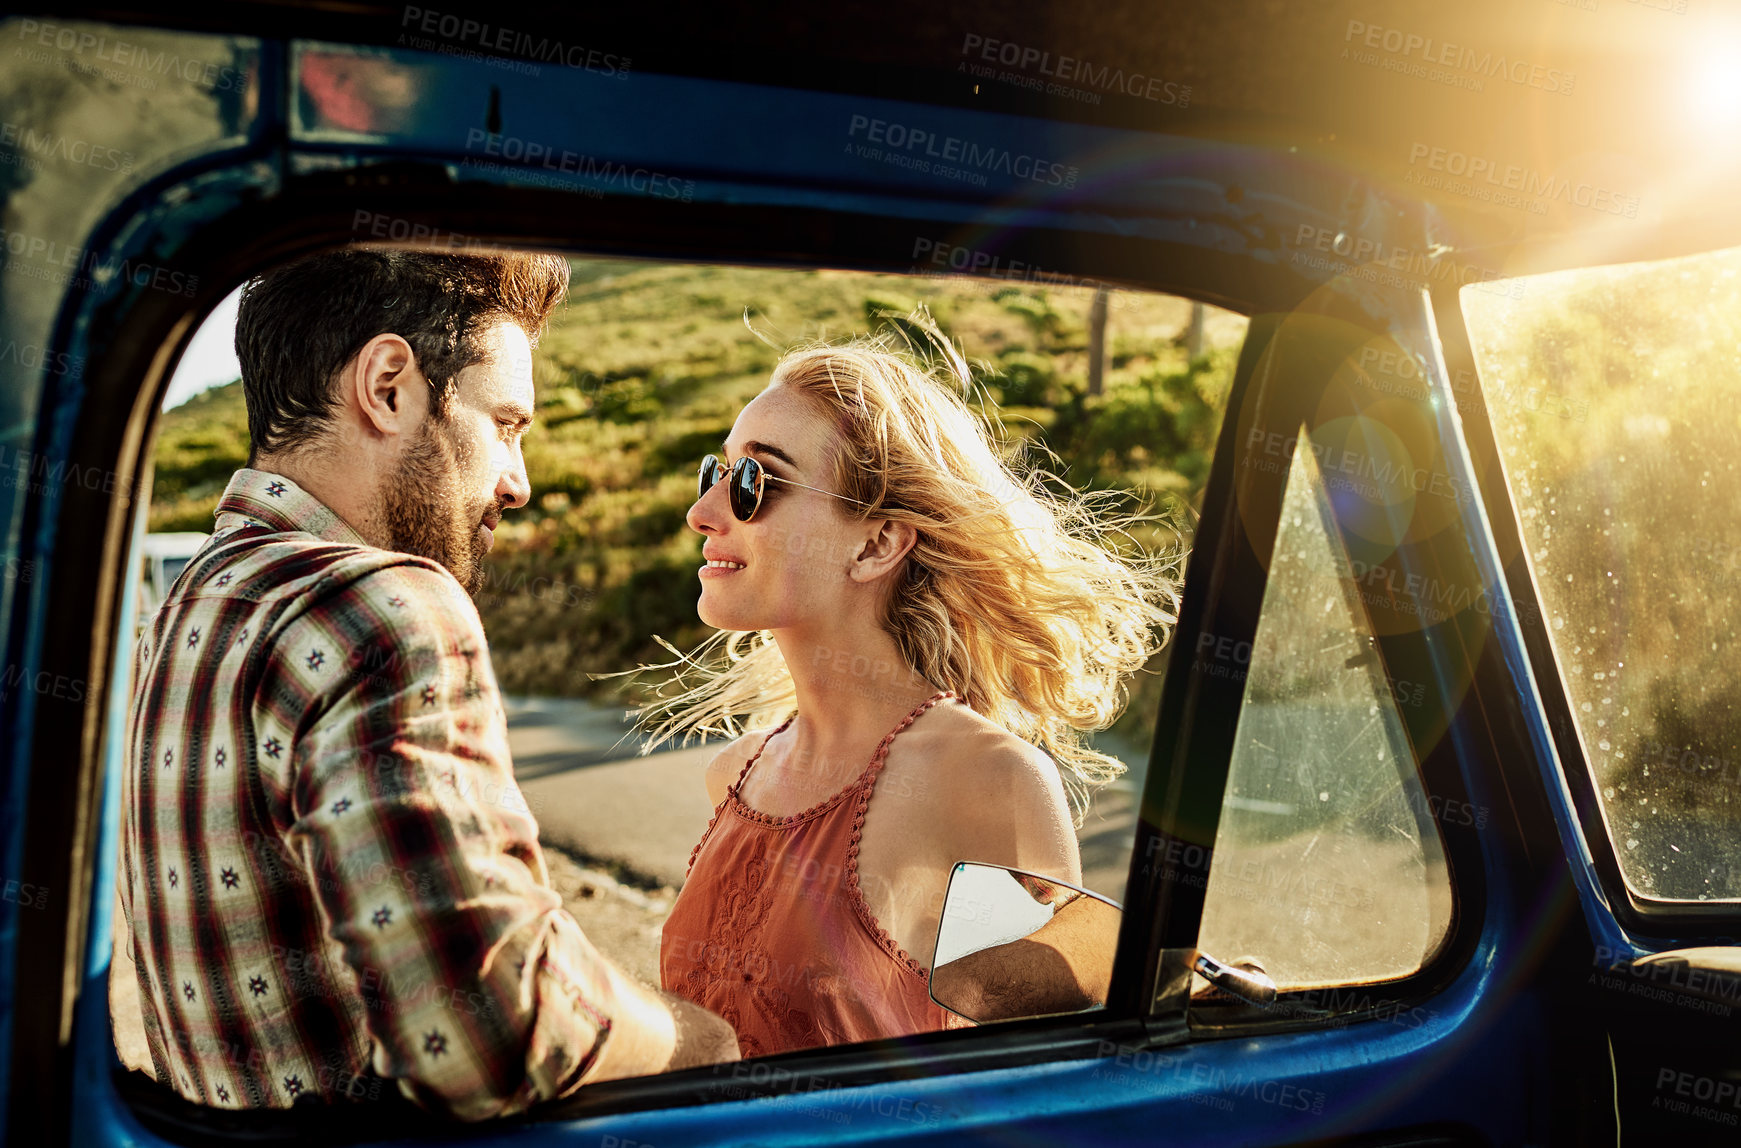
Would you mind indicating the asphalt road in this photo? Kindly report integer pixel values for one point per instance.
(639, 817)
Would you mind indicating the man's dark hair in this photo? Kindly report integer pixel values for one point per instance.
(300, 323)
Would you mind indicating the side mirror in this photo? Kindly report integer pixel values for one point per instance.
(1018, 944)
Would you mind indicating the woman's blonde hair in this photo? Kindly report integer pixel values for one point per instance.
(1013, 596)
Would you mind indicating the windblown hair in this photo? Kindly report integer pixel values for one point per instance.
(1014, 596)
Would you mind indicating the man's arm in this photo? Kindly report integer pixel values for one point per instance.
(484, 995)
(1063, 966)
(702, 1037)
(661, 1029)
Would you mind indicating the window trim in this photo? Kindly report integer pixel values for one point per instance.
(1218, 1011)
(1010, 1044)
(140, 335)
(1226, 600)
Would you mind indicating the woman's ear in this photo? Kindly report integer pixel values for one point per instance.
(883, 550)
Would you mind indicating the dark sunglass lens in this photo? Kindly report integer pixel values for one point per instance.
(745, 480)
(709, 475)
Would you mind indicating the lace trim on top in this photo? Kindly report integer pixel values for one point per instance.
(731, 797)
(866, 782)
(853, 890)
(734, 793)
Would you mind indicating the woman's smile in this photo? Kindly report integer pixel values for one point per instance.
(719, 565)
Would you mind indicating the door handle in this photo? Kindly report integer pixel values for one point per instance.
(1246, 980)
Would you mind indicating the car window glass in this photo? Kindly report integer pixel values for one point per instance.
(1613, 393)
(1328, 867)
(93, 111)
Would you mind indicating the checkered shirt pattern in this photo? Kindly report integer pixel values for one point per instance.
(328, 875)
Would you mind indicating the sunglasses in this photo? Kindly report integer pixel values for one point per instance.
(745, 488)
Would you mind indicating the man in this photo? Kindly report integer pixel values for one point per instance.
(329, 876)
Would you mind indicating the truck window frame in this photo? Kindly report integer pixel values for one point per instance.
(142, 339)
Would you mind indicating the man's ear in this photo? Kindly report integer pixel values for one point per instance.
(386, 387)
(883, 550)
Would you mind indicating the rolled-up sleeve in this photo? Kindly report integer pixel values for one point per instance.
(397, 795)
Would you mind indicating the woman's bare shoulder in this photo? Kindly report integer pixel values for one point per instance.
(725, 765)
(973, 751)
(1002, 799)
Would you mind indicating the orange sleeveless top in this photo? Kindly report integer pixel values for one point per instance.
(772, 932)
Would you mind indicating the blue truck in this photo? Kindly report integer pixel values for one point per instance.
(1481, 550)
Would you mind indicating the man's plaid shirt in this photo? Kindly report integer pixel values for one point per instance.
(328, 874)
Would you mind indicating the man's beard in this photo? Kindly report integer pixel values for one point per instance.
(426, 508)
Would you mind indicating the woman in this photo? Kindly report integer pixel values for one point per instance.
(910, 618)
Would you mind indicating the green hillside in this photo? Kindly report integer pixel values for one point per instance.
(642, 373)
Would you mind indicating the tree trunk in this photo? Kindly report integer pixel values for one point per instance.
(1097, 342)
(1194, 336)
